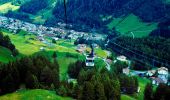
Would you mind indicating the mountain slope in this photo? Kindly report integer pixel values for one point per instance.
(5, 54)
(37, 94)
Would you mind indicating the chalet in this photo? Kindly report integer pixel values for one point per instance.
(126, 71)
(81, 48)
(156, 80)
(55, 38)
(163, 74)
(150, 73)
(122, 58)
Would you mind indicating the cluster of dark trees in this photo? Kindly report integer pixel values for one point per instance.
(161, 93)
(34, 6)
(96, 85)
(75, 68)
(34, 72)
(163, 29)
(129, 85)
(18, 15)
(153, 51)
(6, 42)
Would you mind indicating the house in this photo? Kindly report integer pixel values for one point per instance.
(156, 80)
(42, 48)
(126, 71)
(163, 74)
(81, 48)
(55, 38)
(150, 73)
(122, 58)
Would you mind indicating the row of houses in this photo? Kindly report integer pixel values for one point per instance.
(157, 76)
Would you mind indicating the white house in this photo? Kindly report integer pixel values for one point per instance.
(150, 73)
(122, 58)
(163, 74)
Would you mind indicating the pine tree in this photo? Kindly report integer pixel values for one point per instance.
(62, 91)
(148, 92)
(99, 91)
(82, 77)
(88, 91)
(31, 81)
(54, 55)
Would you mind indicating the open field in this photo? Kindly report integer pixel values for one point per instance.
(132, 24)
(28, 46)
(37, 94)
(4, 8)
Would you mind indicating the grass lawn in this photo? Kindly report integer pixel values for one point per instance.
(101, 53)
(99, 63)
(126, 97)
(37, 94)
(29, 47)
(4, 8)
(142, 84)
(134, 24)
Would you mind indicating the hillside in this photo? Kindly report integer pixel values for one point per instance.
(36, 94)
(5, 55)
(112, 14)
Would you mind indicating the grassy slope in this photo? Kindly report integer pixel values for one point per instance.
(5, 55)
(4, 8)
(134, 24)
(140, 95)
(126, 97)
(36, 94)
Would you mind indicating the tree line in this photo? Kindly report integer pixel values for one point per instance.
(93, 84)
(6, 42)
(162, 92)
(154, 48)
(34, 72)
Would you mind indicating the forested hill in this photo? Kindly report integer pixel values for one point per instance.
(87, 14)
(90, 11)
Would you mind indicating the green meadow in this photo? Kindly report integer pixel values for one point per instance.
(132, 24)
(37, 94)
(4, 8)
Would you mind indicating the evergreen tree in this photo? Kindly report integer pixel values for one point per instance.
(82, 77)
(148, 92)
(62, 91)
(54, 55)
(162, 92)
(31, 81)
(88, 91)
(99, 91)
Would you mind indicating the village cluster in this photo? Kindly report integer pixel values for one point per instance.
(157, 76)
(55, 33)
